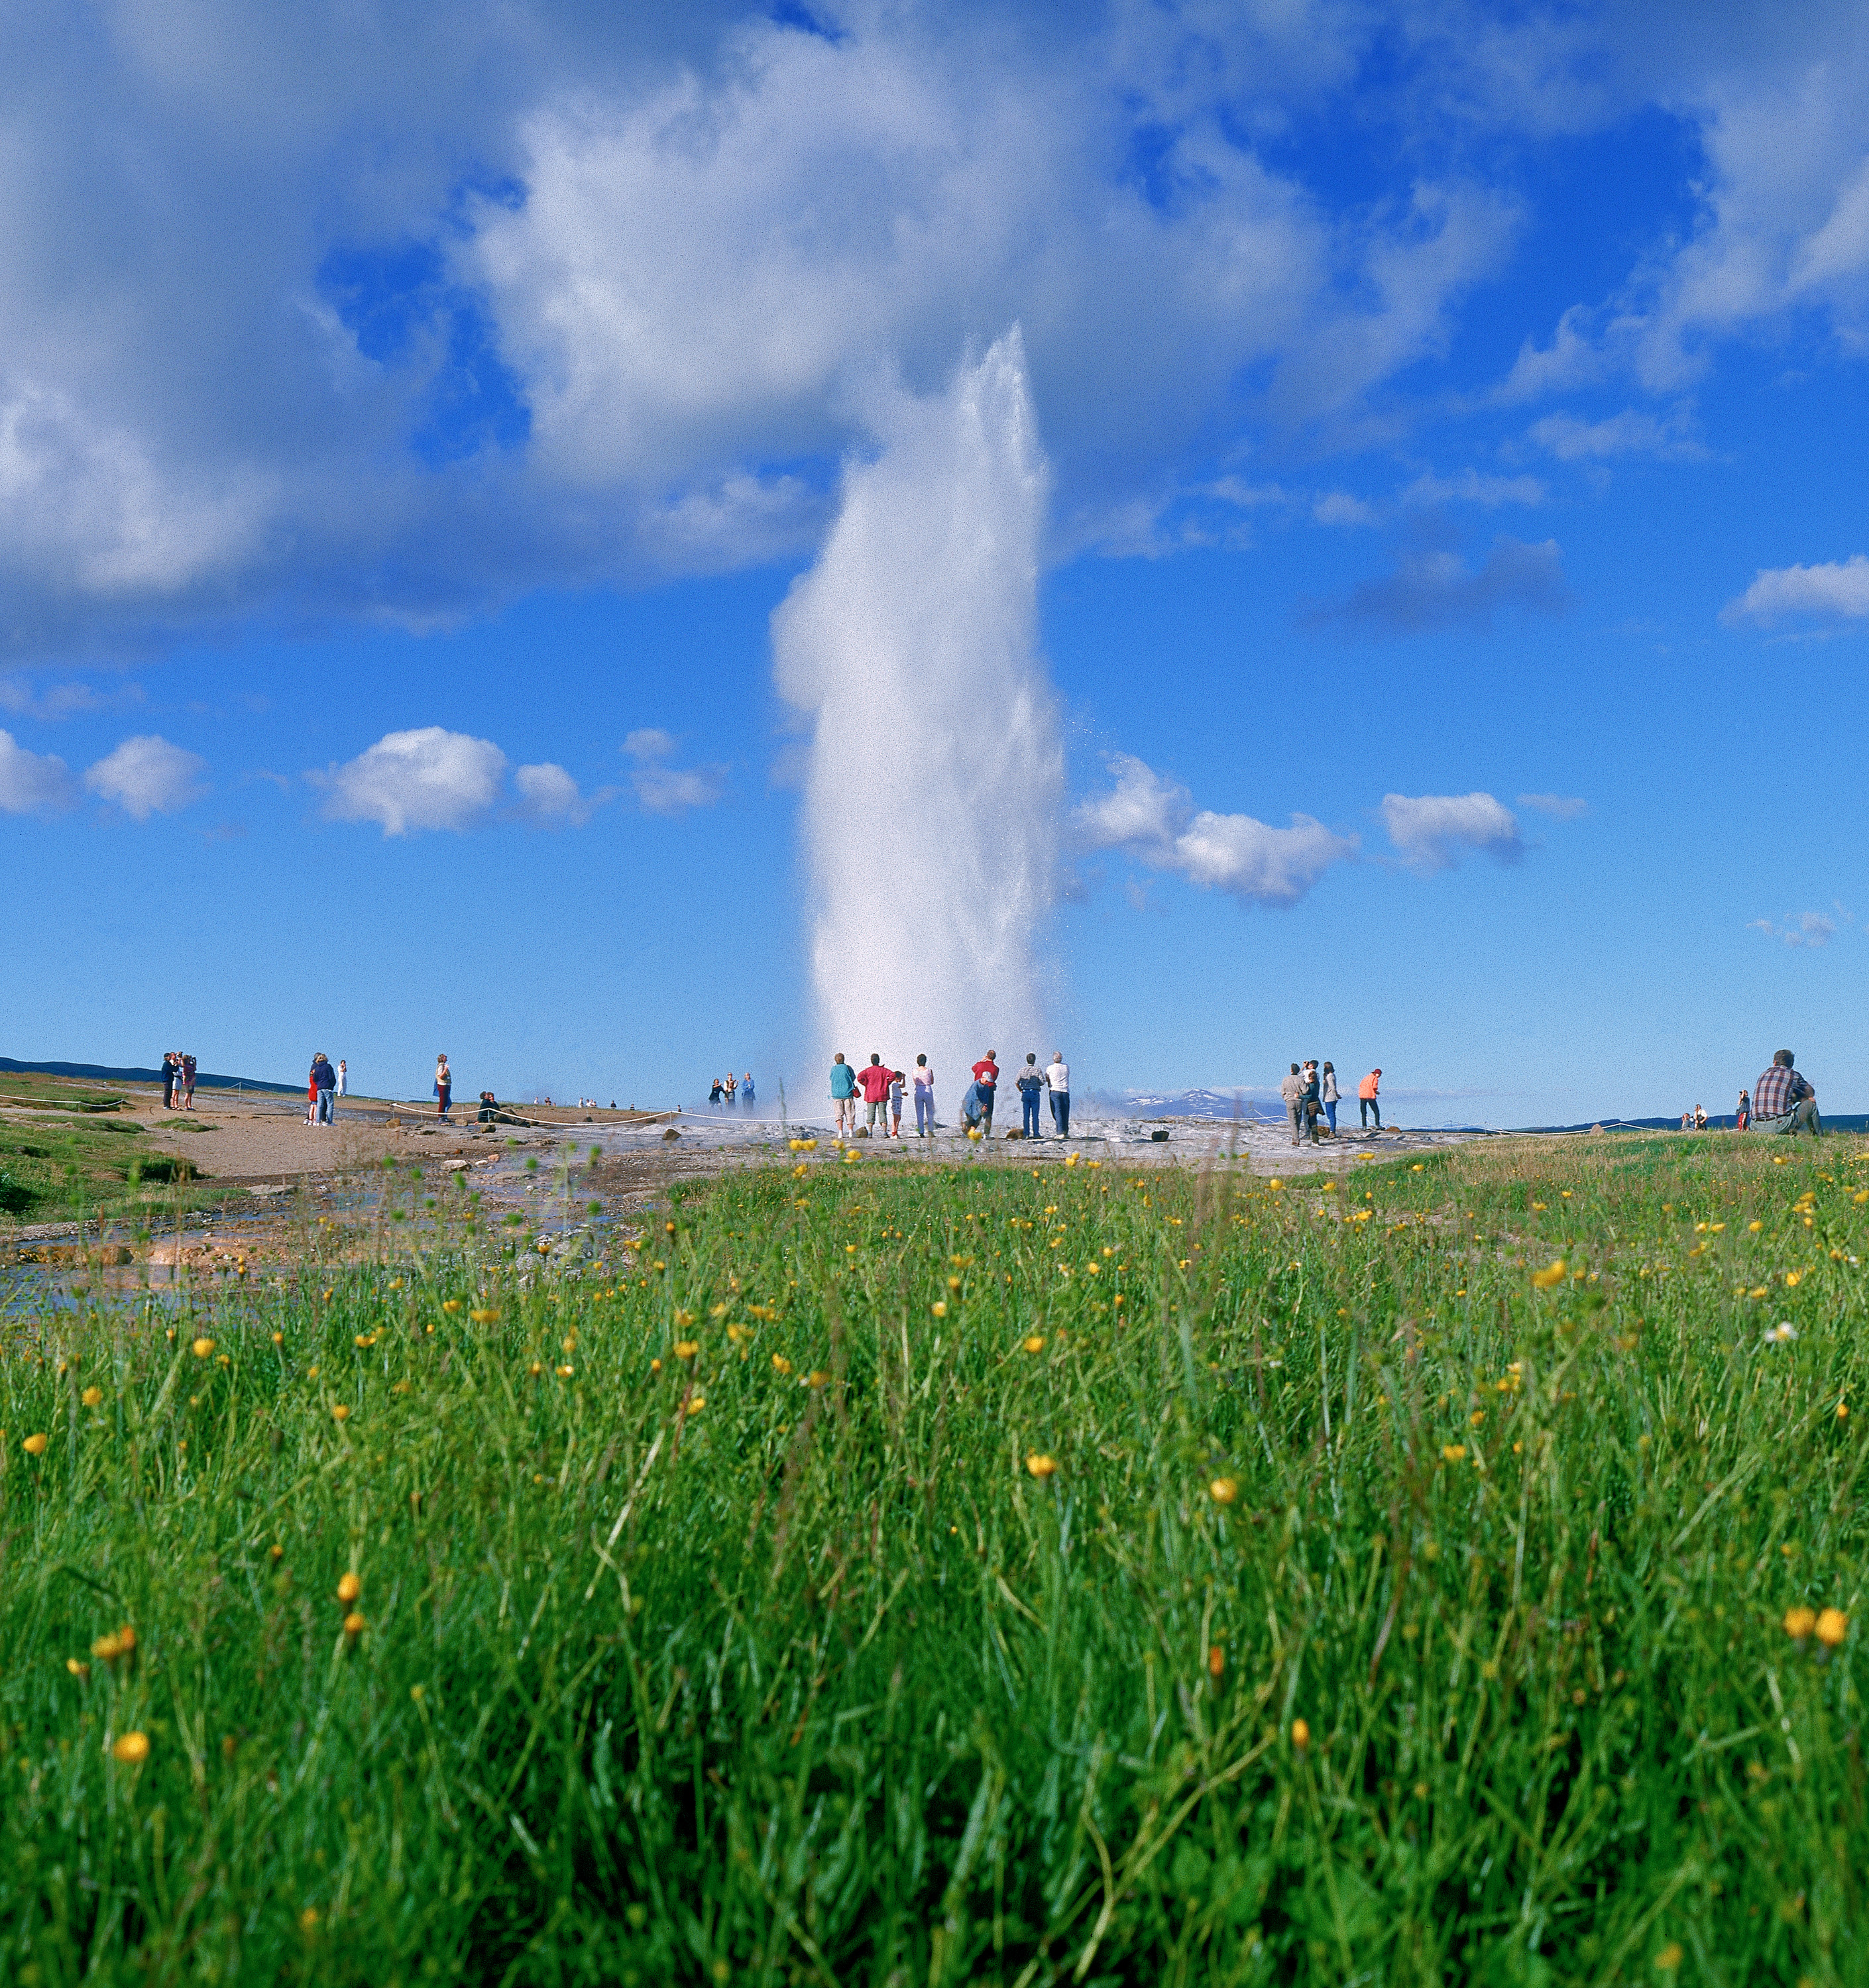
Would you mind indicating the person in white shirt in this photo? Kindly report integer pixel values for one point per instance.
(1058, 1081)
(343, 1078)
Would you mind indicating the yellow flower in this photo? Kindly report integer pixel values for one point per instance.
(131, 1748)
(1040, 1466)
(1538, 1206)
(1224, 1490)
(1454, 1452)
(1553, 1274)
(395, 1283)
(1035, 1343)
(1275, 1184)
(565, 1373)
(1670, 1957)
(353, 1623)
(451, 1304)
(91, 1397)
(684, 1318)
(340, 1412)
(817, 1378)
(1799, 1622)
(1216, 1660)
(201, 1348)
(349, 1588)
(1832, 1626)
(697, 1403)
(484, 1317)
(939, 1308)
(1301, 1734)
(1791, 1279)
(34, 1445)
(1070, 1159)
(687, 1349)
(1478, 1416)
(1754, 1227)
(780, 1364)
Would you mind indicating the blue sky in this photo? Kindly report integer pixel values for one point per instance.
(409, 425)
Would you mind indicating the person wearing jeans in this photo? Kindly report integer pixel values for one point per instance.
(924, 1099)
(1058, 1081)
(1783, 1102)
(1031, 1084)
(1330, 1095)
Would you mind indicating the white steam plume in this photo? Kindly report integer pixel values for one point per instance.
(933, 797)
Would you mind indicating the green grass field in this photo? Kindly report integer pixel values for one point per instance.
(64, 1153)
(968, 1576)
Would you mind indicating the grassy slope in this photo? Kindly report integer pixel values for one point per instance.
(67, 1156)
(717, 1672)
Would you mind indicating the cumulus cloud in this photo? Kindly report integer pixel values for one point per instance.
(33, 782)
(1434, 831)
(427, 778)
(1838, 591)
(1561, 807)
(549, 795)
(54, 700)
(1154, 820)
(1437, 589)
(661, 789)
(319, 368)
(148, 776)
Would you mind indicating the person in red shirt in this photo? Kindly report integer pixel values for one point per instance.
(985, 1076)
(874, 1082)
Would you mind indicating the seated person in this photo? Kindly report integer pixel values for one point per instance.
(1783, 1102)
(489, 1108)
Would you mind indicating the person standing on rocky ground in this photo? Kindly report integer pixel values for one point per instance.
(188, 1068)
(924, 1099)
(1029, 1083)
(844, 1094)
(444, 1085)
(1330, 1094)
(1291, 1089)
(1311, 1099)
(986, 1084)
(1742, 1115)
(874, 1080)
(343, 1077)
(323, 1081)
(1058, 1082)
(169, 1061)
(745, 1091)
(1366, 1099)
(895, 1083)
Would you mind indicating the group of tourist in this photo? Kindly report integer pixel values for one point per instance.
(177, 1081)
(881, 1091)
(324, 1088)
(1310, 1093)
(727, 1090)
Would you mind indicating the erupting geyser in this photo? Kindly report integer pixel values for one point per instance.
(933, 801)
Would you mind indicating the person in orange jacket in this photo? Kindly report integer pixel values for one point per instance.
(1366, 1098)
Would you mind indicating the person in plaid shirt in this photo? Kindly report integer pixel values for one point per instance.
(1783, 1101)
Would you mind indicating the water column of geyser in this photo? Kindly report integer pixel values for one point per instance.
(932, 803)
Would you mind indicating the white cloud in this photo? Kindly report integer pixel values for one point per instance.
(665, 790)
(62, 700)
(1837, 591)
(1470, 486)
(1153, 820)
(1631, 432)
(1433, 831)
(1339, 507)
(429, 778)
(33, 782)
(1811, 929)
(147, 776)
(1561, 807)
(548, 795)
